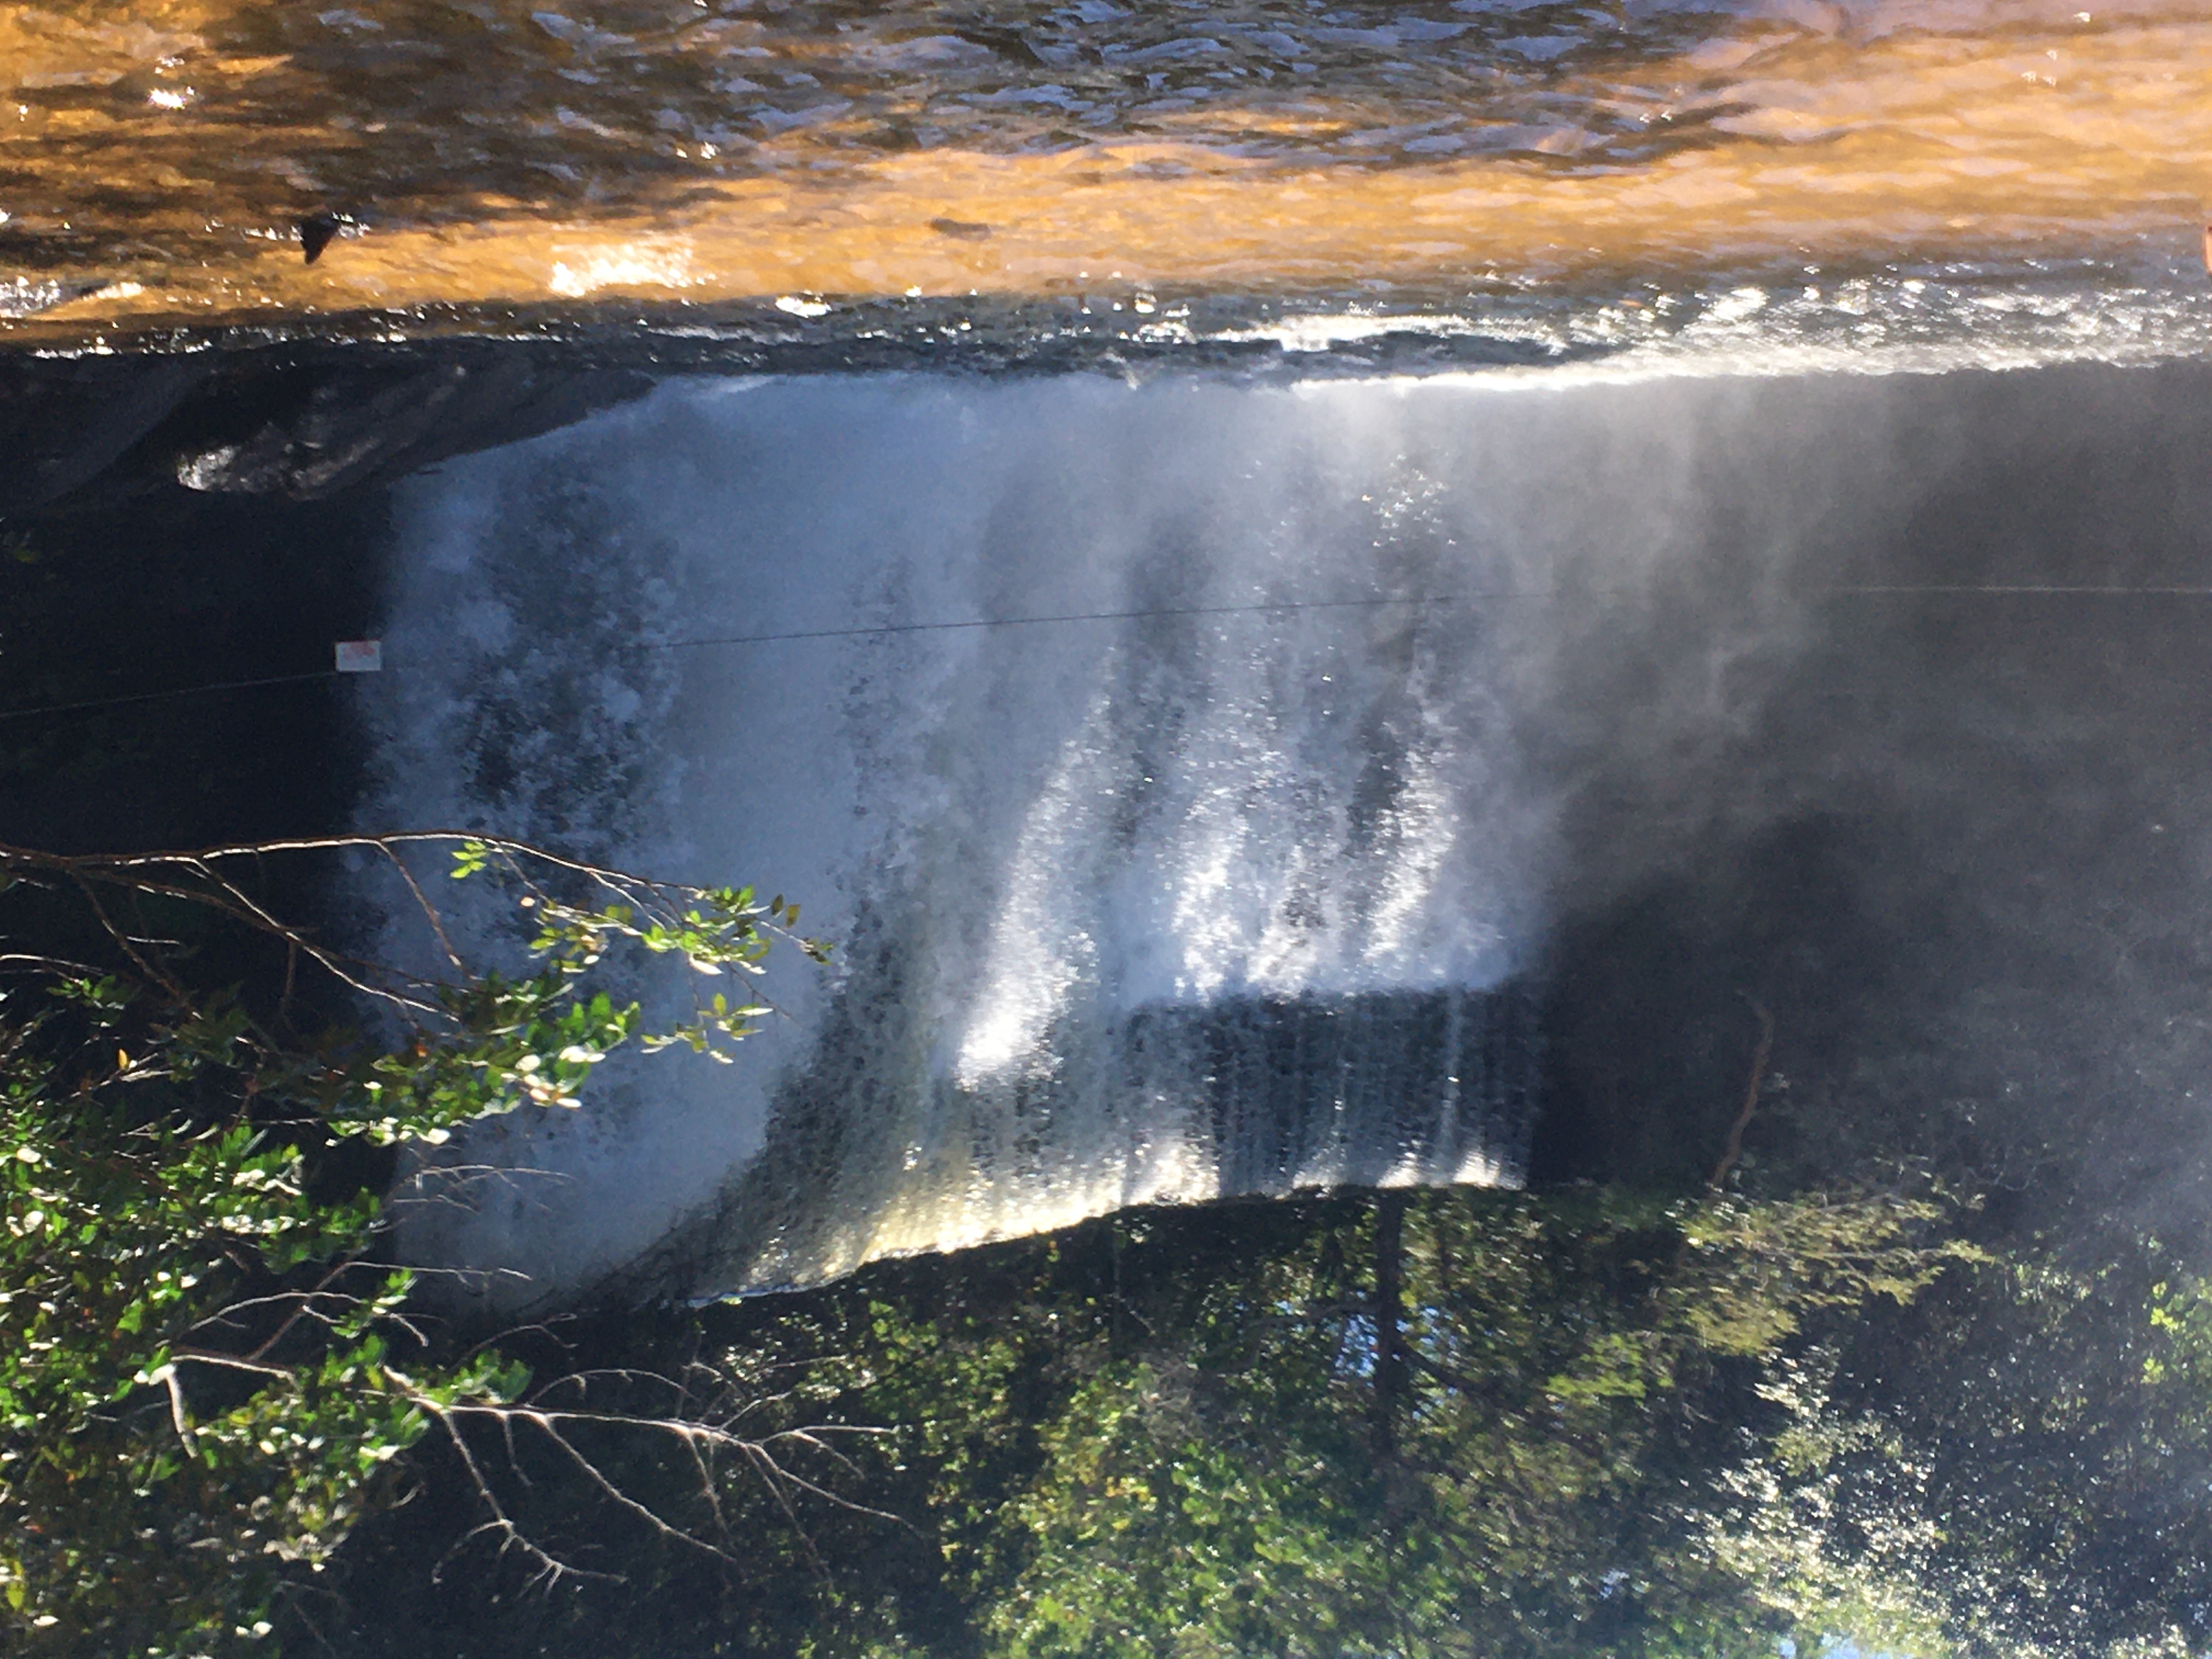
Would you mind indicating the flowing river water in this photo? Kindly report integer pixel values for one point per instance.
(1841, 174)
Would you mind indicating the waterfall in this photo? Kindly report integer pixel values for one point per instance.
(1156, 757)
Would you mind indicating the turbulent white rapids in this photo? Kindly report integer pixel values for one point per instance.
(1157, 755)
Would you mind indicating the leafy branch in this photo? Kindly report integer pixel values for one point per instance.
(202, 1386)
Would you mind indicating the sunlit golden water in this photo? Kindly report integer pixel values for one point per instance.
(155, 155)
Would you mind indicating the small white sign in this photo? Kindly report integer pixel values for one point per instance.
(361, 656)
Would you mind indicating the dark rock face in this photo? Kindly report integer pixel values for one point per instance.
(182, 537)
(1948, 827)
(302, 428)
(356, 429)
(63, 423)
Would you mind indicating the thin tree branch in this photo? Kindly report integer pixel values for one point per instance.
(1735, 1147)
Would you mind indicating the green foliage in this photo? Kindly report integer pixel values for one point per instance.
(1271, 1487)
(1607, 1429)
(1422, 1425)
(1773, 1263)
(532, 1040)
(202, 1388)
(1617, 1424)
(2058, 1412)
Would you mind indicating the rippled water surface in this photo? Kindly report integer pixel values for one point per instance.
(156, 155)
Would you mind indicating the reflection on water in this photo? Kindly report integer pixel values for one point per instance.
(500, 154)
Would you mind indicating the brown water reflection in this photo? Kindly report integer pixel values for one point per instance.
(501, 153)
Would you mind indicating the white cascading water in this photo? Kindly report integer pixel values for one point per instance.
(1206, 862)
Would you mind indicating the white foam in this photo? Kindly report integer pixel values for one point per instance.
(1243, 744)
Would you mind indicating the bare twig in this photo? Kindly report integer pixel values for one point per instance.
(47, 964)
(176, 1409)
(1734, 1150)
(429, 911)
(551, 1568)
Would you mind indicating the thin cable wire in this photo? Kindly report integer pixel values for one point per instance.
(2032, 590)
(160, 696)
(808, 633)
(1875, 590)
(1078, 617)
